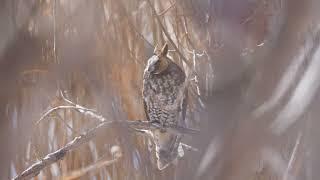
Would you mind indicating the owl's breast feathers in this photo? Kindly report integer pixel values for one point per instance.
(164, 95)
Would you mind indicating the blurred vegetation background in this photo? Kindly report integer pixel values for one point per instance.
(255, 96)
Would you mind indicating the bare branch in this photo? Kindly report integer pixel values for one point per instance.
(83, 171)
(167, 9)
(74, 104)
(150, 125)
(51, 158)
(85, 111)
(95, 166)
(291, 171)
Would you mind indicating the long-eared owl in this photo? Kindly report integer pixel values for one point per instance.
(164, 96)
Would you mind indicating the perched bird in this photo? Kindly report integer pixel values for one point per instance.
(164, 96)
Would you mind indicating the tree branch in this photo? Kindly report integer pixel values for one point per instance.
(51, 158)
(167, 9)
(59, 154)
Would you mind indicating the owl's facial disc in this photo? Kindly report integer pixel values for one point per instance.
(157, 64)
(152, 64)
(159, 61)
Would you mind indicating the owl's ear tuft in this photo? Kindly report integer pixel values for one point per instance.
(164, 50)
(156, 50)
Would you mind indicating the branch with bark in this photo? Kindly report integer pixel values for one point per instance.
(85, 137)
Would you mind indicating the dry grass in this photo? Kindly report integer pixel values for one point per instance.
(240, 53)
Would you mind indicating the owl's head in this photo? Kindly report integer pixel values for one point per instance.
(159, 61)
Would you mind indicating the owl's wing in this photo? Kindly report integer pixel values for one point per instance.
(146, 109)
(184, 106)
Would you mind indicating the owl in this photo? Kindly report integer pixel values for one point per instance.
(164, 96)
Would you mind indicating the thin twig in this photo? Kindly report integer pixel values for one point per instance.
(167, 9)
(85, 110)
(289, 173)
(54, 31)
(133, 26)
(139, 34)
(92, 167)
(172, 129)
(74, 104)
(51, 158)
(168, 35)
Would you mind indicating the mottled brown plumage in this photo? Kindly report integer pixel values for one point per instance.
(164, 95)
